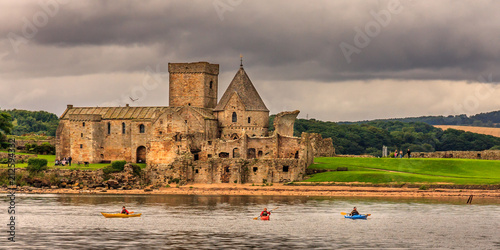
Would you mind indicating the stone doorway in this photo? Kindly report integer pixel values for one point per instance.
(226, 173)
(141, 154)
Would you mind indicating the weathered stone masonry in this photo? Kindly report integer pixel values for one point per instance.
(196, 139)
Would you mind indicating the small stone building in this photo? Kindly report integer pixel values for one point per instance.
(196, 139)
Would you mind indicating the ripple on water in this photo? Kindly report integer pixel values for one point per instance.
(214, 222)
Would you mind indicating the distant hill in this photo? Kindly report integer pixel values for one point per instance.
(33, 122)
(490, 119)
(478, 130)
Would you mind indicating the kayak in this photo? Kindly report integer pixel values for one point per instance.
(354, 217)
(264, 217)
(120, 215)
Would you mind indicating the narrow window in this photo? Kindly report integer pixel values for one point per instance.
(109, 128)
(211, 84)
(196, 171)
(235, 117)
(248, 119)
(82, 134)
(123, 128)
(83, 124)
(285, 169)
(81, 145)
(141, 129)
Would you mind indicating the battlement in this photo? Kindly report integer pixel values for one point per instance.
(195, 67)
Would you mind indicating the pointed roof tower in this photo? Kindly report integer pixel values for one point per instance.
(243, 87)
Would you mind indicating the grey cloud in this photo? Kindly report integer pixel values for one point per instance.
(281, 41)
(442, 40)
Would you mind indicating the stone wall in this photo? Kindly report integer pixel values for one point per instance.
(254, 123)
(219, 170)
(193, 84)
(20, 143)
(322, 147)
(484, 155)
(23, 158)
(101, 140)
(64, 178)
(284, 121)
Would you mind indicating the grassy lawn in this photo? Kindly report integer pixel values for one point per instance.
(376, 170)
(52, 158)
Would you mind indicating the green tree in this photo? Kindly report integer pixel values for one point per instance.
(5, 128)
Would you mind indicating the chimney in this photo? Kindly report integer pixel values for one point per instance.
(126, 105)
(70, 106)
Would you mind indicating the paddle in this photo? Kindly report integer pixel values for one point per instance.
(342, 213)
(256, 218)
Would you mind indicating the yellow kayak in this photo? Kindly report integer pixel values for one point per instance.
(120, 215)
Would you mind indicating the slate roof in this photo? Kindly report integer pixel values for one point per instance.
(123, 113)
(242, 85)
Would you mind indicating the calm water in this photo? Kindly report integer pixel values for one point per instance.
(214, 222)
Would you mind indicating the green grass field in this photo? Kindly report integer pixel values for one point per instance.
(389, 170)
(52, 158)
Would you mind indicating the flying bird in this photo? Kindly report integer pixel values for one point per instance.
(133, 99)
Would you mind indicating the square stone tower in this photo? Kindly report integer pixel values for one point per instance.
(193, 84)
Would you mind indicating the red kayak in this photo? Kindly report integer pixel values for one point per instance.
(264, 217)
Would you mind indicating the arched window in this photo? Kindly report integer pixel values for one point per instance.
(109, 128)
(235, 117)
(142, 129)
(123, 128)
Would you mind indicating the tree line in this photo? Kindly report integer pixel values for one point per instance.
(32, 122)
(489, 119)
(369, 137)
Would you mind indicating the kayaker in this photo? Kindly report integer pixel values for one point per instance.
(265, 213)
(354, 212)
(124, 211)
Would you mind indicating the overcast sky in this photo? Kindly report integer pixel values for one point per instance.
(333, 60)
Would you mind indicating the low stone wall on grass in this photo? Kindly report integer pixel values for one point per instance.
(19, 158)
(484, 155)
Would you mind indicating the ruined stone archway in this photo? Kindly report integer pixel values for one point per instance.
(141, 154)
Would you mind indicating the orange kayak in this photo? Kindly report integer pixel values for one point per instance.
(264, 217)
(120, 215)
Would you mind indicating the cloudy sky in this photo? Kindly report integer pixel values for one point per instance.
(333, 60)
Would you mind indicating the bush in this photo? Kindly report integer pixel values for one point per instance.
(4, 145)
(136, 169)
(44, 148)
(496, 147)
(118, 165)
(4, 161)
(36, 165)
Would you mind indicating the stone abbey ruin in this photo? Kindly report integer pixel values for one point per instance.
(195, 139)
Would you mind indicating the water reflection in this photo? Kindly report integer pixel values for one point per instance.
(215, 222)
